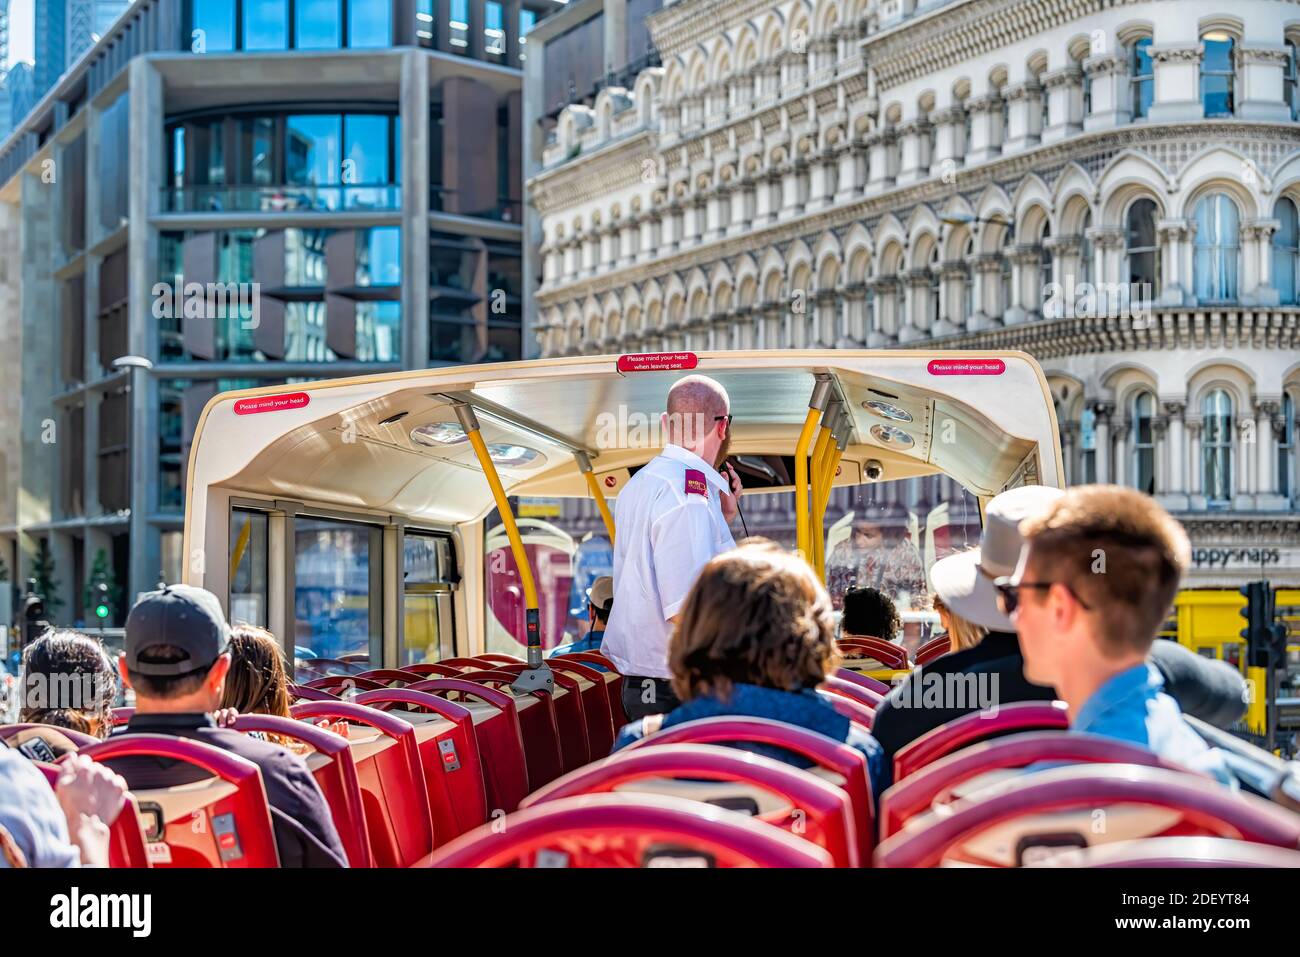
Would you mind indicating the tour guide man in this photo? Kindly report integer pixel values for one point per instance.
(671, 519)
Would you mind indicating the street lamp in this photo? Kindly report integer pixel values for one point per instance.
(137, 368)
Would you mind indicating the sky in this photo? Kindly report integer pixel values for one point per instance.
(21, 36)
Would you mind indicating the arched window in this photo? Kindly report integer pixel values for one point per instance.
(1144, 443)
(1290, 80)
(1217, 249)
(1216, 447)
(1005, 274)
(1142, 78)
(936, 280)
(1085, 250)
(968, 280)
(1218, 74)
(1286, 448)
(1286, 251)
(1143, 249)
(1087, 446)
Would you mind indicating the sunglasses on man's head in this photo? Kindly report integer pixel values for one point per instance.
(726, 418)
(1009, 593)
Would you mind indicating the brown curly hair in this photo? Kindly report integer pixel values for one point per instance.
(756, 615)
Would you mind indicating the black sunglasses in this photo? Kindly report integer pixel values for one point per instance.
(727, 418)
(1009, 593)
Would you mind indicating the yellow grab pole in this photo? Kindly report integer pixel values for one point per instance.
(240, 545)
(597, 493)
(821, 452)
(538, 676)
(820, 396)
(840, 432)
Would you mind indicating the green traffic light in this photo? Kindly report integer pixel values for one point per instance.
(101, 611)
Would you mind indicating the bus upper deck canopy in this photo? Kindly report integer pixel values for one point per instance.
(389, 446)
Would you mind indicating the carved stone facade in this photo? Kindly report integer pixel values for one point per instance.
(972, 174)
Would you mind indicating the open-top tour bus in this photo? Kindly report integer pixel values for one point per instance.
(418, 541)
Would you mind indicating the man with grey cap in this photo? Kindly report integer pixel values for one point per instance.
(176, 660)
(963, 582)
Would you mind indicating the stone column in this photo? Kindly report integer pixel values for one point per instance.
(1069, 435)
(1176, 484)
(1120, 457)
(739, 220)
(790, 205)
(1107, 248)
(952, 282)
(1103, 411)
(1257, 282)
(986, 128)
(1194, 423)
(913, 164)
(1259, 72)
(1265, 484)
(647, 224)
(852, 332)
(1171, 234)
(1177, 84)
(1108, 82)
(881, 161)
(986, 268)
(847, 184)
(1064, 91)
(917, 324)
(1024, 260)
(1026, 116)
(948, 126)
(882, 289)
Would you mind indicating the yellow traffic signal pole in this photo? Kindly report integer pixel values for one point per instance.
(537, 676)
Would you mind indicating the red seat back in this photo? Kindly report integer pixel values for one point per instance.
(500, 740)
(427, 669)
(126, 844)
(475, 664)
(502, 659)
(1177, 852)
(817, 810)
(842, 759)
(595, 705)
(866, 681)
(886, 652)
(979, 726)
(453, 770)
(122, 715)
(615, 686)
(851, 708)
(336, 775)
(614, 830)
(78, 739)
(304, 693)
(232, 831)
(537, 724)
(934, 648)
(392, 783)
(936, 781)
(849, 689)
(1204, 808)
(392, 677)
(570, 716)
(342, 684)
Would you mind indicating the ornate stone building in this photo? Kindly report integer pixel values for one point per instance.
(1111, 186)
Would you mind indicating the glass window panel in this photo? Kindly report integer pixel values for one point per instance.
(332, 600)
(379, 257)
(1216, 446)
(248, 555)
(428, 610)
(212, 26)
(379, 326)
(1286, 251)
(317, 24)
(494, 37)
(370, 23)
(266, 25)
(459, 23)
(1217, 249)
(1217, 75)
(304, 333)
(365, 161)
(313, 153)
(304, 257)
(1143, 78)
(254, 151)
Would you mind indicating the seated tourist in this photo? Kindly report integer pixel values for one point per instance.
(64, 826)
(177, 660)
(68, 681)
(755, 638)
(869, 613)
(1087, 629)
(600, 601)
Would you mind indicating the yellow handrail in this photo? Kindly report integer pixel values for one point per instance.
(507, 517)
(597, 493)
(828, 478)
(816, 471)
(801, 482)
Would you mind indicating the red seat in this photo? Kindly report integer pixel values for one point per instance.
(849, 689)
(391, 778)
(936, 781)
(934, 648)
(615, 686)
(475, 664)
(851, 708)
(429, 668)
(126, 844)
(979, 726)
(811, 808)
(840, 759)
(866, 681)
(501, 659)
(614, 830)
(340, 666)
(392, 677)
(500, 740)
(233, 829)
(305, 693)
(453, 771)
(342, 684)
(16, 734)
(1176, 852)
(595, 705)
(1201, 808)
(570, 716)
(122, 715)
(887, 653)
(334, 770)
(356, 657)
(537, 724)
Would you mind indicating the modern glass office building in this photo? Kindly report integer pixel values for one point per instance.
(342, 178)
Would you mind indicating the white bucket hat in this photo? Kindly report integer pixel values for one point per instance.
(964, 582)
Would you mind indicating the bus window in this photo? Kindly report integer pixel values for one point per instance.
(248, 566)
(337, 568)
(568, 548)
(428, 572)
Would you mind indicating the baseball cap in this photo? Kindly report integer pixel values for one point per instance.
(601, 592)
(964, 582)
(184, 617)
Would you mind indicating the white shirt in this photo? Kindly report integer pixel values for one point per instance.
(668, 524)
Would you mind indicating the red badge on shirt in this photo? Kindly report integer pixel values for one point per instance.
(696, 483)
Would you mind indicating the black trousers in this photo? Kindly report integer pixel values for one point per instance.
(644, 696)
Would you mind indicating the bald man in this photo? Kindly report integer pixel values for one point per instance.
(672, 517)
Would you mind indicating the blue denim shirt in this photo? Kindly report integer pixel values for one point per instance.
(591, 642)
(30, 812)
(1133, 707)
(805, 709)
